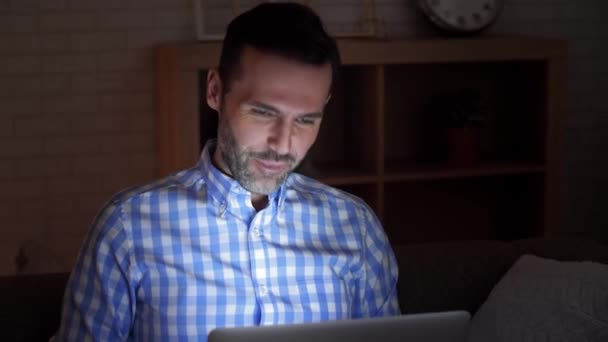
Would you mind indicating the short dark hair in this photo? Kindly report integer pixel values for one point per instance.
(289, 30)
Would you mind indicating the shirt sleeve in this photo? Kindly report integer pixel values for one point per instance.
(99, 301)
(380, 269)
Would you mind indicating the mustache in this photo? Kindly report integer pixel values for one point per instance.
(273, 156)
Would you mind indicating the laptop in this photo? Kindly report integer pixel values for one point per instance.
(449, 326)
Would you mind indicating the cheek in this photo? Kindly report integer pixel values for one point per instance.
(304, 140)
(248, 136)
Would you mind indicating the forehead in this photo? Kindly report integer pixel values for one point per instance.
(269, 68)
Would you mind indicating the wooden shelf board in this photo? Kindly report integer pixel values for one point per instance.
(431, 172)
(192, 55)
(346, 177)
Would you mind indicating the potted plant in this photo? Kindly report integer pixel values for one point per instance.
(461, 116)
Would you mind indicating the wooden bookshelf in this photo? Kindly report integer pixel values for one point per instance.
(377, 142)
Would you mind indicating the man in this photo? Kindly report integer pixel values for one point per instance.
(239, 239)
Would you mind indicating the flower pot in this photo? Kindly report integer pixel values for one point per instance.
(462, 146)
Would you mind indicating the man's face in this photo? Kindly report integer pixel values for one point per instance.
(269, 118)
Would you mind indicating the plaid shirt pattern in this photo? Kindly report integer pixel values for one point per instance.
(174, 259)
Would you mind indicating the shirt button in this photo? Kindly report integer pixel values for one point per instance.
(263, 290)
(256, 232)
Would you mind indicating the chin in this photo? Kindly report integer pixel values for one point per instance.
(268, 185)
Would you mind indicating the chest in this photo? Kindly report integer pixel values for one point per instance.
(269, 269)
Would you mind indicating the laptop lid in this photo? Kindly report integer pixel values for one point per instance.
(450, 326)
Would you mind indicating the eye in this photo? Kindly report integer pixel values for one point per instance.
(307, 121)
(261, 111)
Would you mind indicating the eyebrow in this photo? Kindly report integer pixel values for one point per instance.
(277, 111)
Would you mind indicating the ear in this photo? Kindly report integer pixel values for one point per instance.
(214, 89)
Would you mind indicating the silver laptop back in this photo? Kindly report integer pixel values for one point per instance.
(452, 326)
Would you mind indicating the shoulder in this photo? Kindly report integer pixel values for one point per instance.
(172, 187)
(185, 180)
(312, 191)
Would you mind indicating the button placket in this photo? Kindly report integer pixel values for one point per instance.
(263, 291)
(223, 207)
(255, 232)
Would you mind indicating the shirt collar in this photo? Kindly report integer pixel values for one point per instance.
(225, 189)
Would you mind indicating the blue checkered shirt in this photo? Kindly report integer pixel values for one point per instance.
(174, 259)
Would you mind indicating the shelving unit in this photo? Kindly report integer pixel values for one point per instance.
(379, 139)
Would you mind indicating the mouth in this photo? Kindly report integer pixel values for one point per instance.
(271, 167)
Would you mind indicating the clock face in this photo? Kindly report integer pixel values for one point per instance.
(462, 15)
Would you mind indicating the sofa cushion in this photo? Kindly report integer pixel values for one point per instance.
(450, 275)
(541, 299)
(31, 306)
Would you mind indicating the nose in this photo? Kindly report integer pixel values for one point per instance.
(280, 138)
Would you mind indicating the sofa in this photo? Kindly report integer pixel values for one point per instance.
(438, 276)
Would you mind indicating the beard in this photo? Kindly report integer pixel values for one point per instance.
(238, 161)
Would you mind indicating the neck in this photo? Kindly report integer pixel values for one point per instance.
(217, 161)
(259, 201)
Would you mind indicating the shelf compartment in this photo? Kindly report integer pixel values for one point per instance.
(348, 138)
(510, 93)
(504, 207)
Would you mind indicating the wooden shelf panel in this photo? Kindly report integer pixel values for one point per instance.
(430, 172)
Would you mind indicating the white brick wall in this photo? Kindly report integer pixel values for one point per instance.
(76, 114)
(77, 105)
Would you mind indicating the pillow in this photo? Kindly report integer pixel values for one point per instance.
(546, 300)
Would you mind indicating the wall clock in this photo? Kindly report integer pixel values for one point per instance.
(463, 16)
